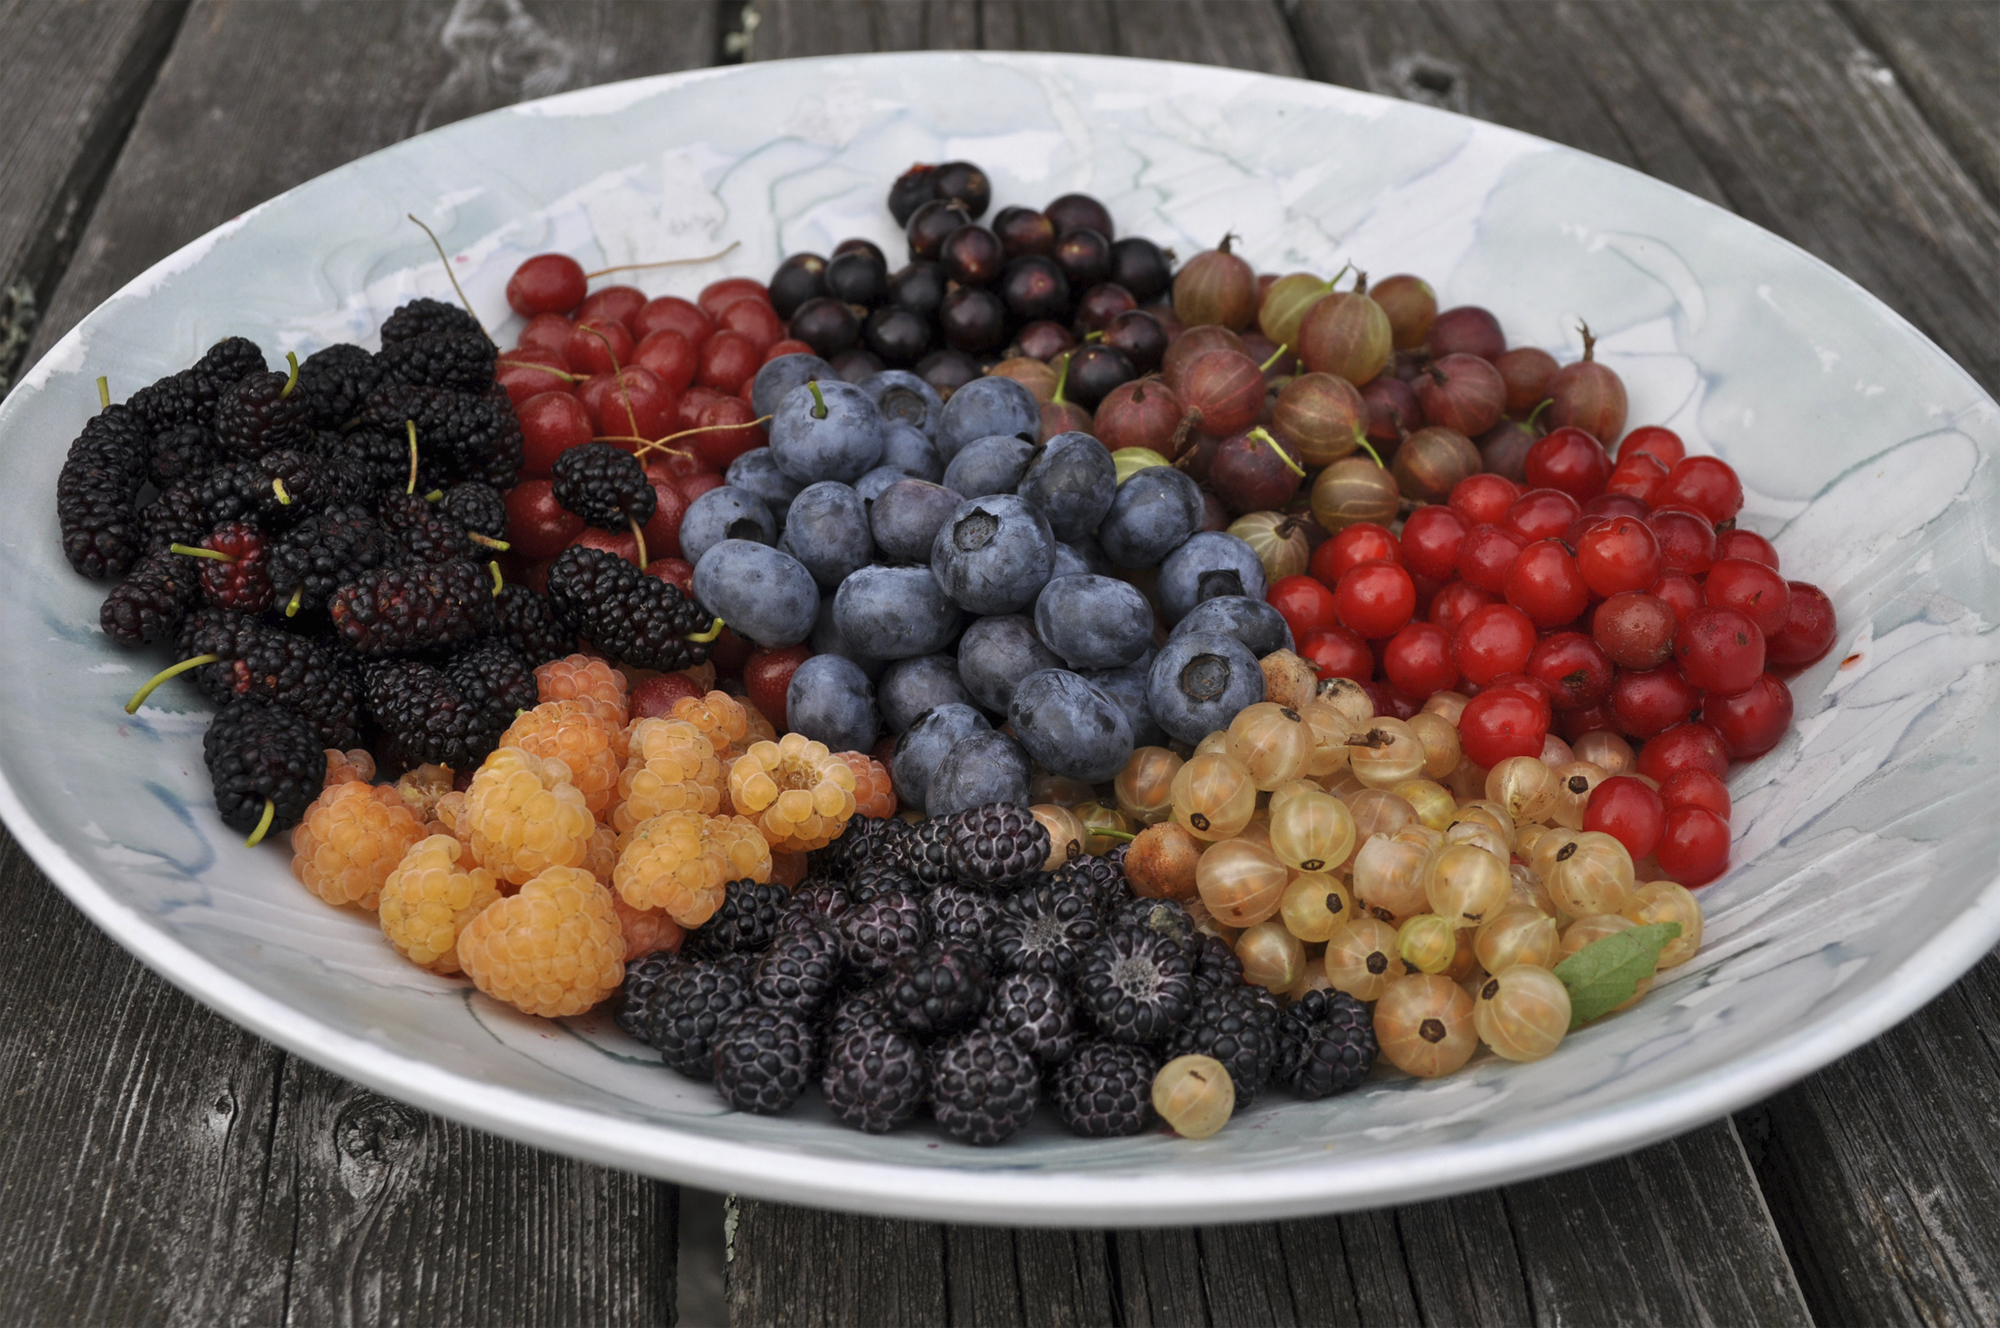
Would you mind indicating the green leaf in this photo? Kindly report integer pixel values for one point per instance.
(1603, 975)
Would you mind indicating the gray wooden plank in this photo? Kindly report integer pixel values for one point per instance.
(1943, 52)
(785, 29)
(806, 1266)
(72, 77)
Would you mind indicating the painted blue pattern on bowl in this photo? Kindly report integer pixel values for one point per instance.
(1865, 853)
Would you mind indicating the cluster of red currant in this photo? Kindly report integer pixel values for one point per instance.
(1596, 598)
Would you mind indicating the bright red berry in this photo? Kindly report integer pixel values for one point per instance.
(1418, 660)
(1493, 640)
(1500, 723)
(1808, 632)
(1629, 812)
(1707, 484)
(1752, 589)
(1690, 746)
(1546, 584)
(1754, 720)
(1375, 599)
(1719, 650)
(1694, 849)
(1304, 604)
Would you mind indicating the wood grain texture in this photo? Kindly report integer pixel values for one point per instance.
(1944, 54)
(810, 1267)
(72, 77)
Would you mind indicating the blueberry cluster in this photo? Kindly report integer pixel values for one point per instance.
(934, 967)
(316, 543)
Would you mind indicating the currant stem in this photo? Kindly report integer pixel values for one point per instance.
(292, 359)
(488, 542)
(263, 825)
(292, 604)
(639, 538)
(139, 697)
(192, 552)
(1262, 435)
(1369, 448)
(1276, 355)
(434, 495)
(1062, 382)
(284, 497)
(412, 426)
(1107, 833)
(451, 274)
(819, 402)
(498, 584)
(714, 630)
(104, 394)
(1540, 406)
(664, 262)
(1589, 342)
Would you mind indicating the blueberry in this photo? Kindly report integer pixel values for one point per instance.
(989, 465)
(775, 381)
(905, 518)
(1199, 682)
(985, 407)
(901, 395)
(725, 512)
(994, 554)
(1073, 483)
(995, 654)
(1070, 726)
(911, 686)
(1093, 622)
(894, 612)
(1251, 621)
(1084, 557)
(764, 595)
(910, 451)
(1153, 513)
(826, 431)
(827, 640)
(1210, 565)
(986, 767)
(925, 743)
(827, 531)
(871, 485)
(756, 473)
(1127, 686)
(831, 701)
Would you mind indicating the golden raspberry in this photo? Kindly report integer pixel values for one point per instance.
(525, 816)
(758, 729)
(874, 795)
(646, 930)
(584, 678)
(569, 732)
(351, 838)
(671, 768)
(683, 860)
(719, 717)
(421, 788)
(800, 793)
(348, 767)
(554, 949)
(600, 857)
(434, 892)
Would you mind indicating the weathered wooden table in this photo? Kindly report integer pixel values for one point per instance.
(157, 1163)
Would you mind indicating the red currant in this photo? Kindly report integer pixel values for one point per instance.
(670, 311)
(1486, 554)
(1719, 650)
(1500, 723)
(1541, 514)
(1681, 593)
(1338, 653)
(1753, 721)
(1651, 701)
(1388, 701)
(537, 525)
(1694, 849)
(718, 446)
(767, 677)
(700, 482)
(1635, 630)
(546, 284)
(599, 346)
(1418, 660)
(1690, 746)
(1568, 459)
(1663, 445)
(1546, 584)
(693, 402)
(755, 320)
(1695, 788)
(616, 303)
(1574, 669)
(1618, 554)
(670, 356)
(1304, 604)
(1707, 484)
(728, 361)
(1752, 589)
(551, 424)
(1430, 541)
(1375, 598)
(1483, 499)
(633, 403)
(789, 346)
(1455, 601)
(663, 532)
(1494, 639)
(1687, 540)
(1639, 476)
(719, 295)
(1363, 542)
(1739, 543)
(548, 333)
(529, 373)
(1591, 719)
(1628, 811)
(1808, 631)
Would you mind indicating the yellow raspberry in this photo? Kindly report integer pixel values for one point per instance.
(351, 838)
(874, 794)
(567, 731)
(683, 860)
(800, 794)
(525, 816)
(600, 856)
(757, 727)
(421, 788)
(584, 678)
(449, 815)
(671, 768)
(348, 767)
(719, 717)
(554, 949)
(429, 898)
(646, 930)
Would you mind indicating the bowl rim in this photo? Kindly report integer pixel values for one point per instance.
(1041, 1197)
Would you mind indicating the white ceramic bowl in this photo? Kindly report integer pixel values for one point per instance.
(1865, 844)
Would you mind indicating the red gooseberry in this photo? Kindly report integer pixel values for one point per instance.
(1719, 650)
(598, 346)
(1418, 660)
(547, 332)
(1492, 640)
(1545, 584)
(1639, 475)
(537, 525)
(1754, 720)
(1591, 719)
(1635, 630)
(527, 373)
(1570, 460)
(670, 311)
(1541, 514)
(1430, 541)
(767, 676)
(1707, 484)
(1486, 554)
(1739, 543)
(1484, 498)
(551, 424)
(1628, 811)
(1752, 589)
(1375, 598)
(1687, 540)
(728, 361)
(663, 532)
(615, 303)
(1338, 653)
(655, 697)
(1454, 601)
(719, 295)
(1695, 788)
(1681, 593)
(1618, 554)
(1304, 604)
(1651, 701)
(1694, 847)
(1574, 669)
(1499, 723)
(670, 356)
(1690, 746)
(1362, 542)
(753, 319)
(727, 432)
(1663, 445)
(1808, 632)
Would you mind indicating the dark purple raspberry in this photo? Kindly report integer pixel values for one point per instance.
(1215, 964)
(883, 876)
(643, 979)
(815, 904)
(1135, 985)
(745, 923)
(1105, 1091)
(262, 757)
(149, 604)
(1044, 929)
(687, 1010)
(874, 1078)
(799, 972)
(635, 619)
(403, 610)
(1035, 1010)
(605, 486)
(452, 715)
(867, 1008)
(996, 846)
(764, 1058)
(939, 989)
(877, 932)
(983, 1088)
(926, 851)
(962, 916)
(1162, 917)
(1326, 1045)
(1237, 1026)
(866, 839)
(1102, 878)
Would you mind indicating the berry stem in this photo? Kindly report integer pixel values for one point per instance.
(412, 426)
(291, 382)
(263, 825)
(1536, 413)
(1360, 282)
(1062, 382)
(714, 630)
(452, 275)
(1589, 342)
(192, 552)
(1262, 435)
(1105, 832)
(1368, 447)
(819, 402)
(434, 495)
(660, 444)
(139, 697)
(103, 393)
(664, 262)
(1276, 355)
(488, 542)
(639, 538)
(292, 604)
(284, 497)
(498, 584)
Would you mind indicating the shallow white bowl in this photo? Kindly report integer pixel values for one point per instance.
(1865, 847)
